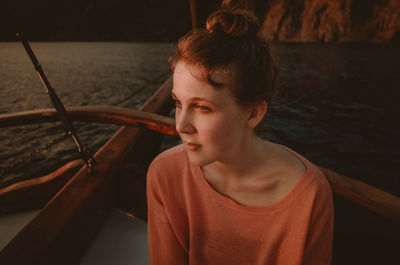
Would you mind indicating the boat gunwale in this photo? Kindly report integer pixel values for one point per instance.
(70, 220)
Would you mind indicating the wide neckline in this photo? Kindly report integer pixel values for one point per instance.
(266, 209)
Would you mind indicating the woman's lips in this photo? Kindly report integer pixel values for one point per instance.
(192, 146)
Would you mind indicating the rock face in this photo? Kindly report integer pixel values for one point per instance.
(332, 20)
(160, 20)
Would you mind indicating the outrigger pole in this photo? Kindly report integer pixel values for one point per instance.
(58, 105)
(193, 15)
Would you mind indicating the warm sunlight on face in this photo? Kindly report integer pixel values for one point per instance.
(211, 124)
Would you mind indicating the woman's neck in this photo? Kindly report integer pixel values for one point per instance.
(243, 162)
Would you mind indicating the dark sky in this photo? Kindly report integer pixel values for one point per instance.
(99, 20)
(167, 20)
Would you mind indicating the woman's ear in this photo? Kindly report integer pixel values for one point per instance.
(257, 113)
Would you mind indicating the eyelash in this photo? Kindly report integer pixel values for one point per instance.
(202, 108)
(177, 103)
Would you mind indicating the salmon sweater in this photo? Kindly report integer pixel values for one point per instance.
(191, 223)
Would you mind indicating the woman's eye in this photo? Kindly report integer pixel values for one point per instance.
(202, 108)
(177, 103)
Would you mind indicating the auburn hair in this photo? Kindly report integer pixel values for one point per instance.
(231, 38)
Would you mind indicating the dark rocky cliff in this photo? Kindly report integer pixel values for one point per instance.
(160, 20)
(332, 20)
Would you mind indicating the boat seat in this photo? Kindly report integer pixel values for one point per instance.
(11, 224)
(122, 240)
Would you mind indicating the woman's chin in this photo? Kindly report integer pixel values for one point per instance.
(198, 159)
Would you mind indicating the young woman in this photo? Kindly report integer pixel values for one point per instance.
(226, 196)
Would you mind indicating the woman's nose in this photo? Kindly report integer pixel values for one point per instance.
(183, 122)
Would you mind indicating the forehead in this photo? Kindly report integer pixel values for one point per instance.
(222, 74)
(190, 81)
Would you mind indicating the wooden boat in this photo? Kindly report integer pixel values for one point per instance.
(74, 204)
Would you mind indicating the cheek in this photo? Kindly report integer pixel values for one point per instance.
(219, 130)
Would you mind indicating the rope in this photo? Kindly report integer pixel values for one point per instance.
(31, 155)
(149, 83)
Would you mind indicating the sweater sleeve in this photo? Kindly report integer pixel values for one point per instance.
(318, 249)
(164, 247)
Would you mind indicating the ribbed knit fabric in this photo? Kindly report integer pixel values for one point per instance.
(191, 223)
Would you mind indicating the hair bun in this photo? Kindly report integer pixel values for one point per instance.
(235, 23)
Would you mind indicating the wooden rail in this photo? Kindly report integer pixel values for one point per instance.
(99, 114)
(376, 200)
(64, 228)
(32, 194)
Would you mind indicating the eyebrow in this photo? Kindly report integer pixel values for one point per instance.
(194, 99)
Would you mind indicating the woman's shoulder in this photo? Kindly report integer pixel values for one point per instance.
(169, 160)
(169, 169)
(312, 174)
(172, 154)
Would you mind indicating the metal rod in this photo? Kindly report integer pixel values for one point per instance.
(58, 105)
(193, 15)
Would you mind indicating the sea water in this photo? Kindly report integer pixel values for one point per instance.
(337, 103)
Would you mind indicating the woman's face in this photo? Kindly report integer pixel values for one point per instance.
(211, 124)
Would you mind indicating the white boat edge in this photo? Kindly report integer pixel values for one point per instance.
(122, 239)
